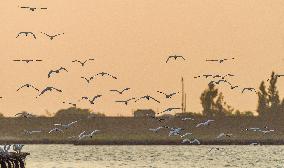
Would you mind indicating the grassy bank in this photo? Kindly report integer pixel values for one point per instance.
(128, 130)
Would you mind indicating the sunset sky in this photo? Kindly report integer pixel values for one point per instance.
(132, 39)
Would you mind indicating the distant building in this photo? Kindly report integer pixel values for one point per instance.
(144, 113)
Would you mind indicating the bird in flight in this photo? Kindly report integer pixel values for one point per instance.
(187, 118)
(26, 33)
(88, 80)
(120, 92)
(148, 98)
(175, 57)
(249, 89)
(218, 60)
(170, 109)
(51, 37)
(24, 114)
(73, 104)
(218, 82)
(31, 8)
(56, 71)
(168, 95)
(27, 86)
(65, 126)
(125, 101)
(31, 132)
(91, 100)
(157, 129)
(223, 135)
(56, 130)
(104, 73)
(48, 89)
(84, 62)
(204, 123)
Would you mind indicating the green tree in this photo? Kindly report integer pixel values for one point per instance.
(262, 106)
(207, 100)
(273, 95)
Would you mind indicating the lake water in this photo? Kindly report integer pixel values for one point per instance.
(70, 156)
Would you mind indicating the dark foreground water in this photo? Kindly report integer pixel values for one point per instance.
(70, 156)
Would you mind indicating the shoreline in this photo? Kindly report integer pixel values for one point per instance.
(162, 142)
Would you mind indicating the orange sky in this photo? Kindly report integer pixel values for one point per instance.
(131, 39)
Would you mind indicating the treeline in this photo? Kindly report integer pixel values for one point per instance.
(269, 104)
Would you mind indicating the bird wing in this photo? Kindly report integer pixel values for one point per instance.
(50, 73)
(62, 68)
(154, 99)
(72, 123)
(198, 125)
(168, 59)
(22, 87)
(182, 57)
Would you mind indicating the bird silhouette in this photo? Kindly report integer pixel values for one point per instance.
(169, 109)
(207, 75)
(120, 92)
(148, 98)
(30, 8)
(168, 96)
(125, 101)
(28, 60)
(73, 104)
(51, 37)
(48, 89)
(175, 57)
(249, 89)
(88, 80)
(92, 101)
(218, 60)
(26, 33)
(104, 73)
(218, 82)
(56, 71)
(28, 86)
(84, 62)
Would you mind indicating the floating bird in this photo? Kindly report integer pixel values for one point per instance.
(83, 63)
(65, 126)
(120, 92)
(26, 33)
(184, 119)
(88, 79)
(125, 101)
(28, 86)
(56, 130)
(204, 123)
(104, 73)
(168, 95)
(249, 89)
(56, 71)
(24, 114)
(223, 135)
(148, 98)
(175, 57)
(91, 100)
(31, 132)
(48, 89)
(51, 37)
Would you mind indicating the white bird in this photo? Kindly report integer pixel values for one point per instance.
(31, 132)
(186, 134)
(84, 135)
(223, 134)
(204, 123)
(56, 130)
(175, 131)
(65, 126)
(266, 131)
(18, 147)
(155, 129)
(253, 129)
(195, 141)
(184, 119)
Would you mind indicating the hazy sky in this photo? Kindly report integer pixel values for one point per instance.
(131, 39)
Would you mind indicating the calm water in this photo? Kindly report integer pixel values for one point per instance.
(69, 156)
